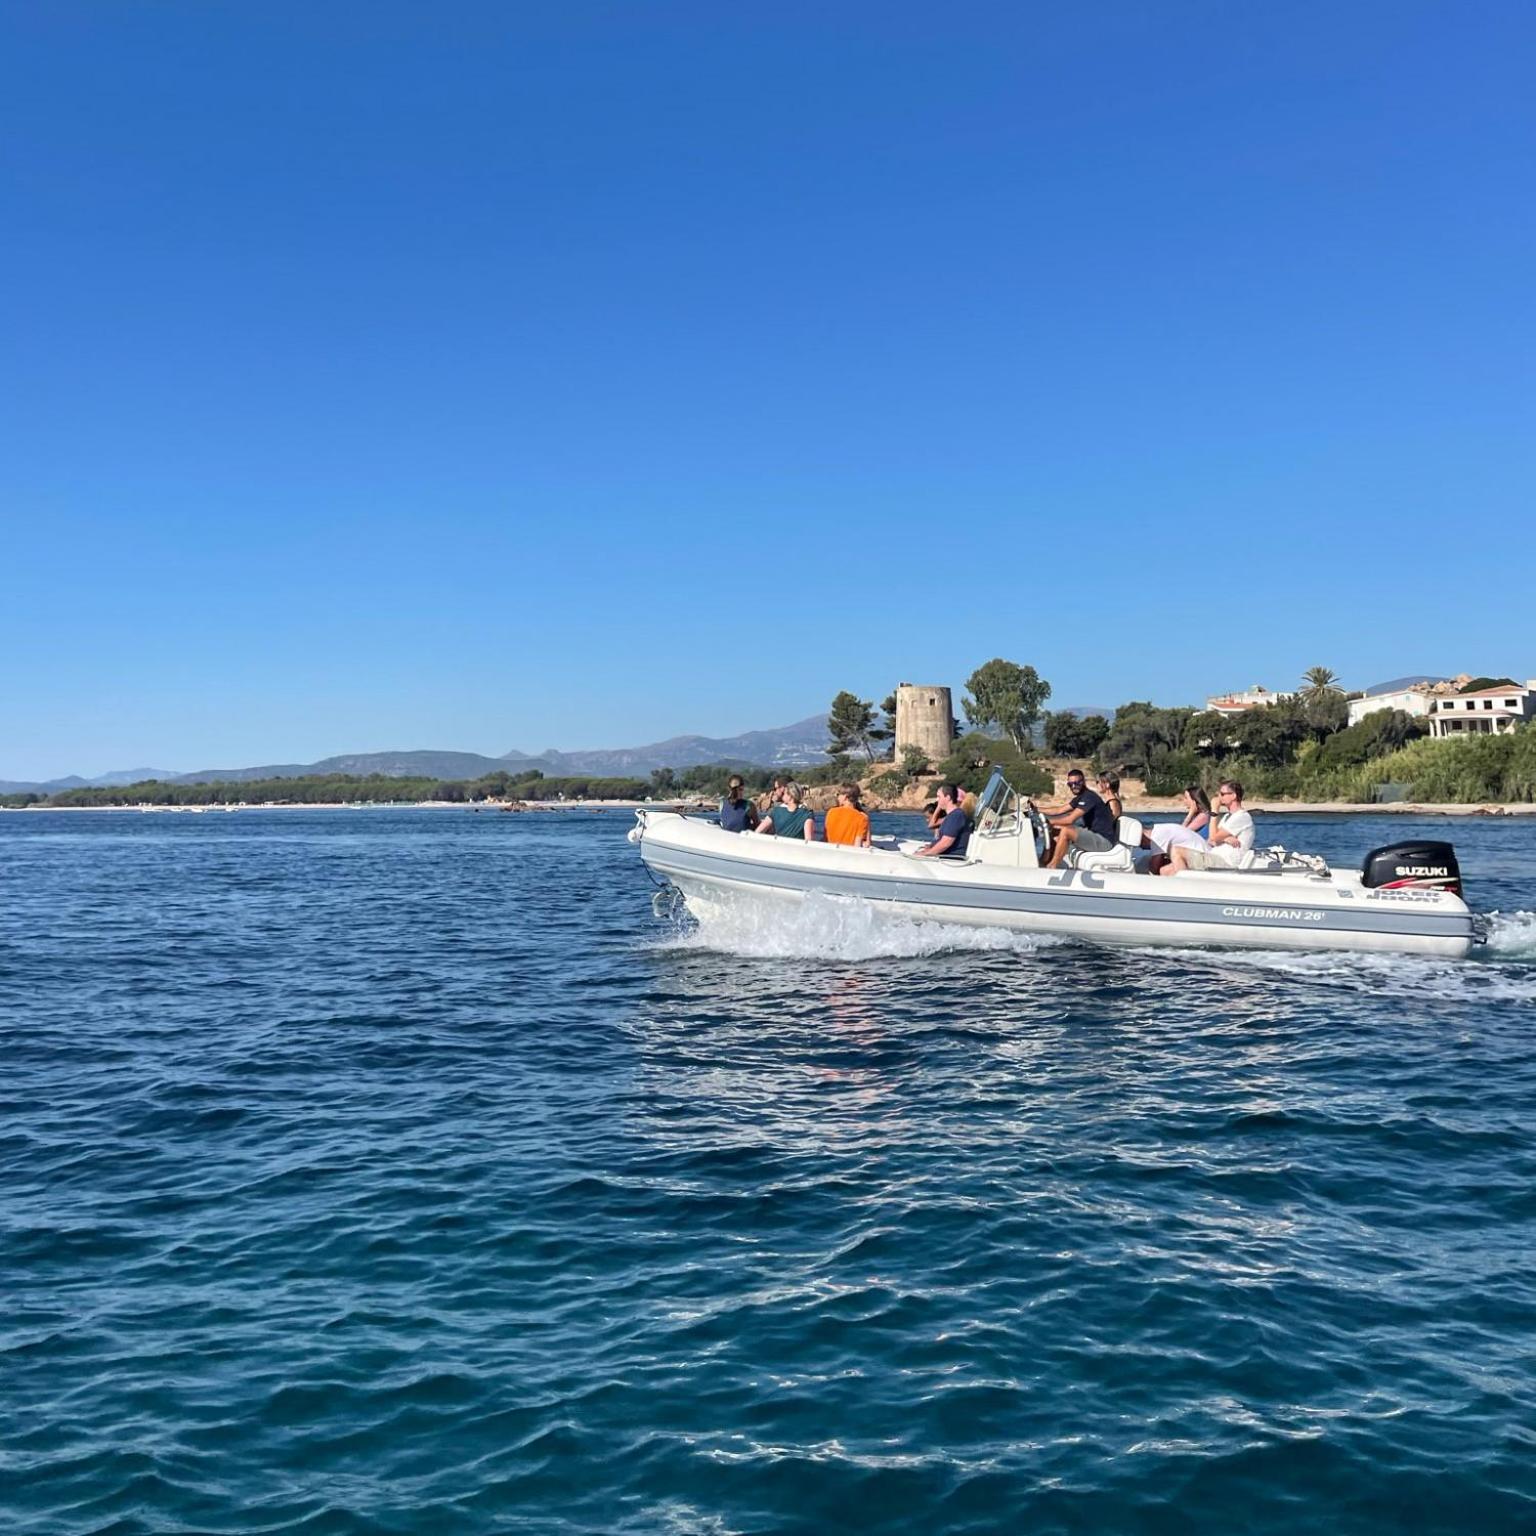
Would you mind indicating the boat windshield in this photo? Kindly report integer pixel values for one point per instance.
(997, 813)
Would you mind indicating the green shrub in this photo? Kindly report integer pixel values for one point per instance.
(1457, 770)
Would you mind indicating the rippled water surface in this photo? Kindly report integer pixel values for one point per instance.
(398, 1171)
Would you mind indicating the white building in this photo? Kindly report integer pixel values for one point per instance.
(1489, 711)
(1256, 697)
(1416, 699)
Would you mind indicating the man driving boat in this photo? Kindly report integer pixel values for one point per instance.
(1084, 822)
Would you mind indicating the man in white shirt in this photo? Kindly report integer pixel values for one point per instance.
(1231, 837)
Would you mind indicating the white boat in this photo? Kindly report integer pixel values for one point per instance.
(1406, 897)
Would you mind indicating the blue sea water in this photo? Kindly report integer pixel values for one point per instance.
(398, 1171)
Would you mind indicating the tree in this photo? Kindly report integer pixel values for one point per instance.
(1144, 736)
(1380, 732)
(913, 761)
(1326, 712)
(884, 729)
(974, 756)
(1068, 736)
(1007, 697)
(851, 725)
(663, 781)
(1319, 681)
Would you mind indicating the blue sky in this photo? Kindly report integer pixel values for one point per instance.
(484, 376)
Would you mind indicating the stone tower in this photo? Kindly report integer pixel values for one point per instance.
(924, 719)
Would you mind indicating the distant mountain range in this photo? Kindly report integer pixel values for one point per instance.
(787, 746)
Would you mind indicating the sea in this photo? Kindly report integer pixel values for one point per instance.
(402, 1171)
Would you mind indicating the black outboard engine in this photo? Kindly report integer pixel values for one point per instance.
(1414, 867)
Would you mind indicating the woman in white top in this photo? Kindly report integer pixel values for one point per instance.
(1197, 817)
(1230, 840)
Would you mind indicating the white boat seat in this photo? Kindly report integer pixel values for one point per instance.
(1114, 859)
(1121, 857)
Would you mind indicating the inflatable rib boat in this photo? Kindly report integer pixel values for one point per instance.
(1406, 897)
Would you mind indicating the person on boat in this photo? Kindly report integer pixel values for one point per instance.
(1190, 832)
(771, 797)
(737, 812)
(1084, 822)
(1231, 837)
(933, 816)
(1109, 793)
(848, 822)
(953, 835)
(789, 818)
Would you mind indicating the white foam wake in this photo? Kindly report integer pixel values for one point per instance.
(1511, 936)
(822, 927)
(1502, 970)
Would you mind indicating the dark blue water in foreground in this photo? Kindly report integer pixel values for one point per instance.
(391, 1171)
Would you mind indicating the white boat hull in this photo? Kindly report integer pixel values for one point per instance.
(1253, 910)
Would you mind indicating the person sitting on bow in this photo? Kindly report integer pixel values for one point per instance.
(848, 822)
(789, 818)
(737, 812)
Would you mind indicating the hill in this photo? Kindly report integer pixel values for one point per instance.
(784, 746)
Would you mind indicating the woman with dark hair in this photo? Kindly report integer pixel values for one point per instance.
(1189, 832)
(1197, 808)
(1109, 793)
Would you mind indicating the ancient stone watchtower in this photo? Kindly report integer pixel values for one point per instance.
(925, 720)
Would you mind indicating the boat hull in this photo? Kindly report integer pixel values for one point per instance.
(1228, 908)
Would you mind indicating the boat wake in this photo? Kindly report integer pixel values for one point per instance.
(1502, 970)
(1511, 936)
(836, 928)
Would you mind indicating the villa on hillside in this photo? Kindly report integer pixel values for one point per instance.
(1412, 698)
(1257, 697)
(1489, 711)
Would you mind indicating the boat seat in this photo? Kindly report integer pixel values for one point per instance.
(1122, 857)
(1113, 859)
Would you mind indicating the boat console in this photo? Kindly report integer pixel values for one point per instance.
(1009, 830)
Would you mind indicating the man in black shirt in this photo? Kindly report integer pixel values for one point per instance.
(1084, 822)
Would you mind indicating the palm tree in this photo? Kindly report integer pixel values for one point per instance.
(1319, 681)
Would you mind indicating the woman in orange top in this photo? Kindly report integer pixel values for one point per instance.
(847, 822)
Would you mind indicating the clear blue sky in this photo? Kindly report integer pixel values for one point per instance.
(483, 375)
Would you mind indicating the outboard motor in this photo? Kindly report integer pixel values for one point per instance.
(1412, 866)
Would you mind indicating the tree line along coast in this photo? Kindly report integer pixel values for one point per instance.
(1300, 747)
